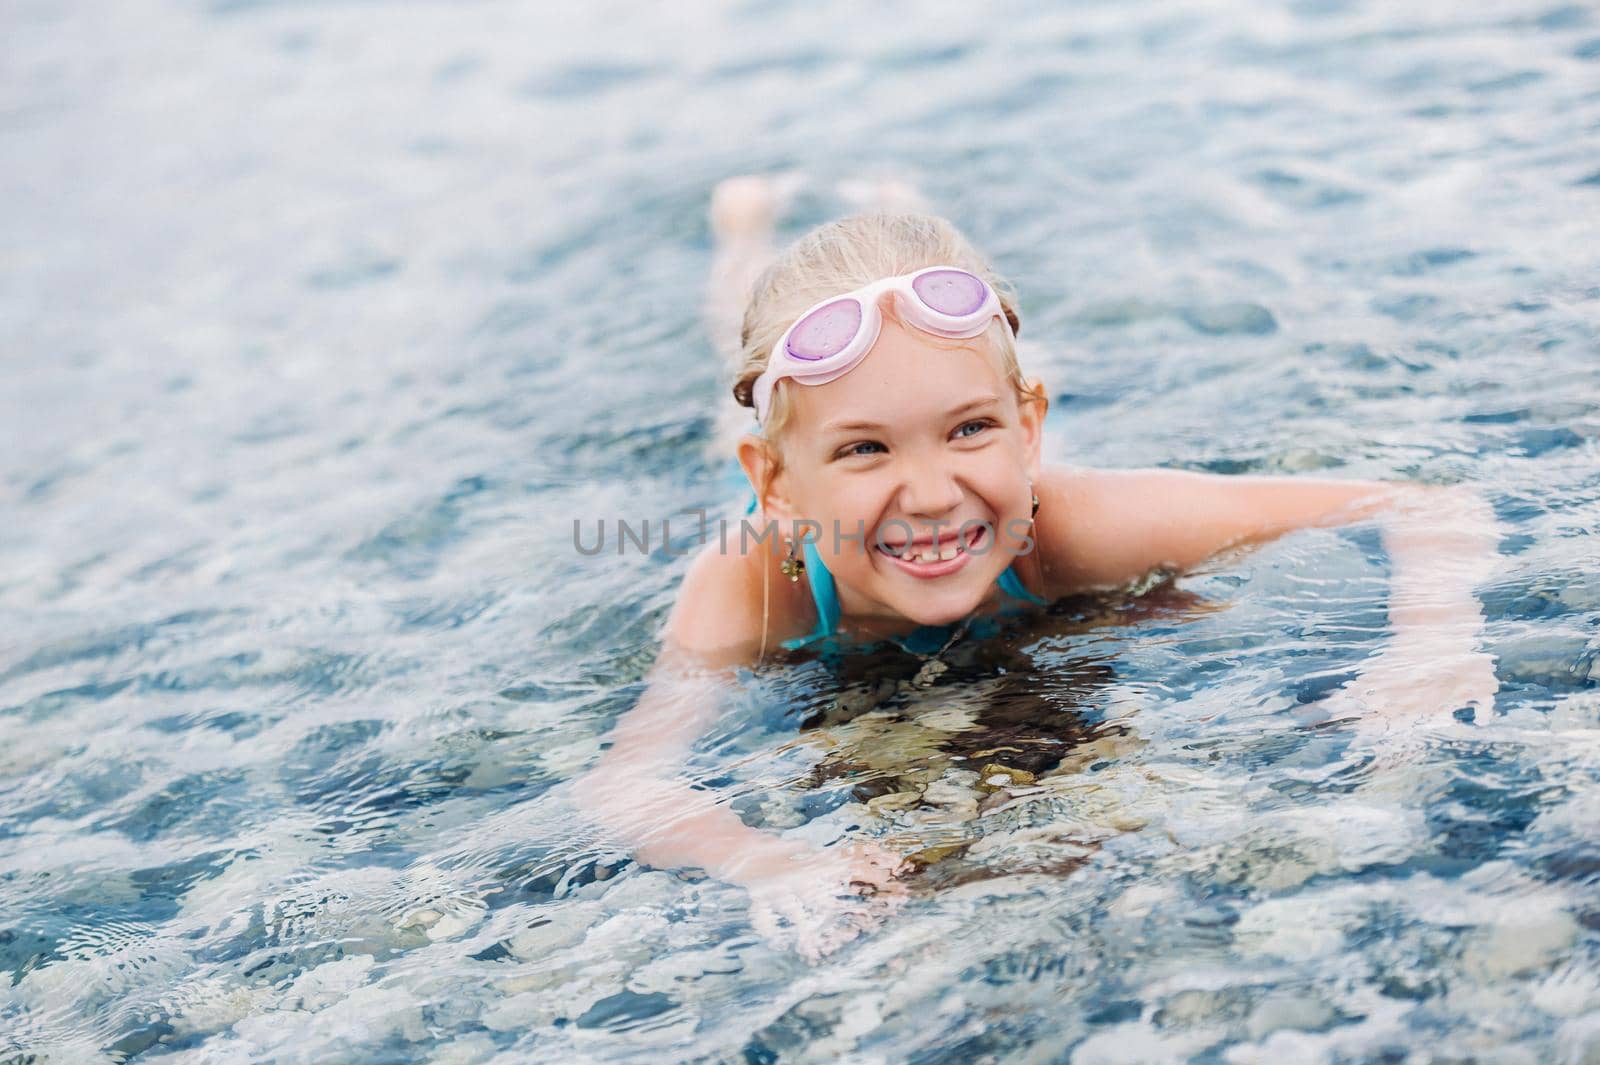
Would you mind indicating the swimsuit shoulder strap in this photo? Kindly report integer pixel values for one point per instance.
(823, 594)
(1012, 585)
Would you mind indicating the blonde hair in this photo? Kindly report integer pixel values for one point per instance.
(845, 255)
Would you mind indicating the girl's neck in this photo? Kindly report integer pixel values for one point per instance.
(867, 621)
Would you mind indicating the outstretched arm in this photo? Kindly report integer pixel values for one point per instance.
(1442, 543)
(1115, 525)
(801, 896)
(635, 790)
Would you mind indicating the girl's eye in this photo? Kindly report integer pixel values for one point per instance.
(972, 428)
(866, 447)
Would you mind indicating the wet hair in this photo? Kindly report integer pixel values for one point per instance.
(845, 255)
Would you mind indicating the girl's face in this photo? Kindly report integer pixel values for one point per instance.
(923, 437)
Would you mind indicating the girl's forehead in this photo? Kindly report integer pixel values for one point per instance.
(907, 377)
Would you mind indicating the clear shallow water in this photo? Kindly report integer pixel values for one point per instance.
(324, 321)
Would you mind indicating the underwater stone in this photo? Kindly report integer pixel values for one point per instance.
(1141, 900)
(1568, 992)
(596, 976)
(1295, 929)
(327, 984)
(464, 1050)
(1578, 1042)
(559, 926)
(625, 1006)
(1123, 821)
(517, 1013)
(1193, 1007)
(777, 812)
(938, 852)
(995, 775)
(670, 973)
(1286, 850)
(1298, 1012)
(419, 919)
(212, 1004)
(1522, 943)
(895, 800)
(386, 1012)
(653, 888)
(628, 936)
(454, 925)
(945, 793)
(264, 1032)
(1280, 1047)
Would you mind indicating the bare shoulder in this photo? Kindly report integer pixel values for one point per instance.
(726, 601)
(1082, 513)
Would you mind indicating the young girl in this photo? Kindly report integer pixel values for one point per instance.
(897, 472)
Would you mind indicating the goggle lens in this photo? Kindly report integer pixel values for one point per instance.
(825, 331)
(955, 293)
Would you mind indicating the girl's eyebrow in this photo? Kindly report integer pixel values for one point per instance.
(985, 400)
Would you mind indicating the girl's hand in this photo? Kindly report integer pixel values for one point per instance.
(1416, 679)
(1401, 696)
(815, 901)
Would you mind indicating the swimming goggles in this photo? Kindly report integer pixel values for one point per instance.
(832, 337)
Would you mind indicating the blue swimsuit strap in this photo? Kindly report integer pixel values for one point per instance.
(823, 593)
(826, 597)
(1012, 585)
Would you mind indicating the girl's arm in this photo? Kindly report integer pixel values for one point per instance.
(635, 791)
(1441, 543)
(1107, 527)
(637, 794)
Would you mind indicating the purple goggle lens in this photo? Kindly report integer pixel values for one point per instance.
(825, 331)
(954, 293)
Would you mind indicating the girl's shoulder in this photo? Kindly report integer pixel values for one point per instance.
(731, 598)
(1092, 527)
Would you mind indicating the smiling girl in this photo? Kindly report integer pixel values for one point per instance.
(898, 453)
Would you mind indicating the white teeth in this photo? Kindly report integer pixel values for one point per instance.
(927, 553)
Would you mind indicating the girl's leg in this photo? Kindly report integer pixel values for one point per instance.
(886, 193)
(743, 213)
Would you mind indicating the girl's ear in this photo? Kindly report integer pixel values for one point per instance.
(1031, 412)
(766, 477)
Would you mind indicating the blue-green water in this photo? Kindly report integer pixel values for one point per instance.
(322, 322)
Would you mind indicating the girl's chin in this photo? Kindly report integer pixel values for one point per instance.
(946, 609)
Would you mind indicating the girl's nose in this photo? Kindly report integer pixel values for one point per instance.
(929, 491)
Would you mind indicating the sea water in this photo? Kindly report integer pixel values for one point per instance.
(323, 323)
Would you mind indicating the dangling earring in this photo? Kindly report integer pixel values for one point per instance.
(1035, 495)
(794, 565)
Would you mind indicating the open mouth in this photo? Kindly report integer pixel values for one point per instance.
(926, 557)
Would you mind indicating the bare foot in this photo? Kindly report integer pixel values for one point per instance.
(890, 194)
(747, 207)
